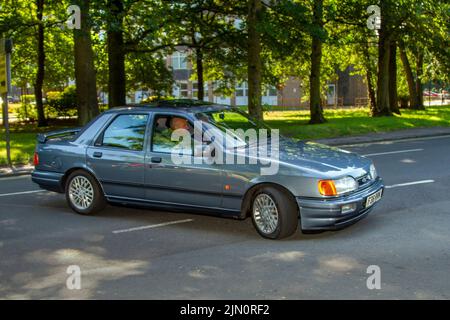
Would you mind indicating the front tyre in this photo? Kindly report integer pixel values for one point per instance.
(83, 193)
(274, 213)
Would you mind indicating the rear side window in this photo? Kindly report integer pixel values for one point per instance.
(126, 132)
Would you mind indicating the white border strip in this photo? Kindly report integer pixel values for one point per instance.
(409, 184)
(152, 226)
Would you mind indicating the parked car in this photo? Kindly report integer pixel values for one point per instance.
(12, 99)
(428, 93)
(123, 156)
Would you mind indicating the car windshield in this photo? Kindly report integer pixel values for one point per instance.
(226, 122)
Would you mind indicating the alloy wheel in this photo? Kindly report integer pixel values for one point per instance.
(81, 192)
(265, 213)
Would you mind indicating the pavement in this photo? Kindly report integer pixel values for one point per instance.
(16, 170)
(132, 253)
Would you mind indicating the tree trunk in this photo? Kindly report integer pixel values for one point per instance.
(371, 92)
(116, 55)
(315, 104)
(419, 85)
(393, 96)
(383, 106)
(200, 82)
(42, 121)
(369, 74)
(413, 97)
(254, 59)
(84, 68)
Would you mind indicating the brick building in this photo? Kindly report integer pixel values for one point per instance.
(347, 90)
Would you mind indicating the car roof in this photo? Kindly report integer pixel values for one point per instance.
(184, 105)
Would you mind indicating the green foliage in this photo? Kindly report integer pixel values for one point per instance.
(27, 110)
(153, 29)
(148, 72)
(62, 104)
(156, 99)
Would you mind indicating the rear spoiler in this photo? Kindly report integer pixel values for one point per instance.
(43, 137)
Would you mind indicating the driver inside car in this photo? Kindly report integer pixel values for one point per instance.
(179, 123)
(162, 140)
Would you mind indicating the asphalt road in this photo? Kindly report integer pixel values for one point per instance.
(202, 257)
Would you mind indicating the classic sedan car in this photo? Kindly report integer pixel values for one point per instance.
(124, 156)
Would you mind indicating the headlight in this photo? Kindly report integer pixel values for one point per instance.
(373, 172)
(345, 185)
(337, 187)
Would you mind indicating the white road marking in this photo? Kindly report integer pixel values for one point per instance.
(153, 226)
(22, 192)
(409, 184)
(389, 142)
(391, 152)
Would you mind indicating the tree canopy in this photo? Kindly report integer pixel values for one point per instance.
(123, 46)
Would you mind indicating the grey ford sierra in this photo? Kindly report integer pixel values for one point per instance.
(125, 156)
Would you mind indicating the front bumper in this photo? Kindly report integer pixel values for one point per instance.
(325, 214)
(48, 180)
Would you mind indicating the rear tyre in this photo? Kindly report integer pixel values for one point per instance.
(84, 194)
(274, 213)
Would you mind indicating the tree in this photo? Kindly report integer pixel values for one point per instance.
(116, 54)
(205, 28)
(370, 72)
(41, 49)
(254, 59)
(417, 26)
(424, 40)
(315, 104)
(86, 88)
(414, 99)
(393, 96)
(42, 121)
(384, 49)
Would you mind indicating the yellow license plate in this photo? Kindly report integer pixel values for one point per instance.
(373, 198)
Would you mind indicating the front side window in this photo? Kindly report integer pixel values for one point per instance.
(226, 122)
(163, 127)
(126, 132)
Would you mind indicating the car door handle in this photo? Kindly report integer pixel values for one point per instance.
(156, 159)
(97, 154)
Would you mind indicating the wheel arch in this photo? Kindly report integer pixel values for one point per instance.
(81, 168)
(246, 203)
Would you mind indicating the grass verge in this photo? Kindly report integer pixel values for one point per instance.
(341, 122)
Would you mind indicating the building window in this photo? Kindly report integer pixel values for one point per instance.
(179, 61)
(242, 90)
(271, 91)
(195, 89)
(183, 91)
